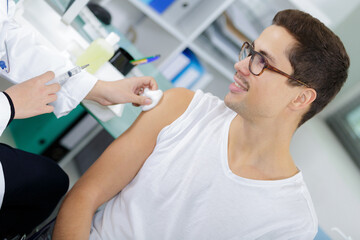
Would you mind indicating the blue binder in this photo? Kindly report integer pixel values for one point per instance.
(159, 5)
(191, 73)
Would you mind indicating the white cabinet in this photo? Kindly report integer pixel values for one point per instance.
(170, 39)
(155, 33)
(159, 34)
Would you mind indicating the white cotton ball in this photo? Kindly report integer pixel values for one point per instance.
(155, 96)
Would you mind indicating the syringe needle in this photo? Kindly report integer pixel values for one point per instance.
(85, 66)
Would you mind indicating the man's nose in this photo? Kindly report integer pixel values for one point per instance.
(243, 66)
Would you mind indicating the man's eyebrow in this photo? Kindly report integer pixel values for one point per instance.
(266, 54)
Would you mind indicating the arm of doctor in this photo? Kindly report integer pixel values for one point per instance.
(117, 166)
(122, 91)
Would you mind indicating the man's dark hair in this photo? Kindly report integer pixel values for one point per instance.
(319, 58)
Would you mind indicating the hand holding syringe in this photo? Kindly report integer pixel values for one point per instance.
(65, 76)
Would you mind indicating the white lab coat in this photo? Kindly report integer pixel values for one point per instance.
(30, 57)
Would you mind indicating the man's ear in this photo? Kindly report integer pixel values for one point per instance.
(304, 99)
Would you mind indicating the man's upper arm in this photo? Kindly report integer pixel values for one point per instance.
(121, 161)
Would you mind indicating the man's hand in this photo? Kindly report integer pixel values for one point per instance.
(31, 98)
(122, 91)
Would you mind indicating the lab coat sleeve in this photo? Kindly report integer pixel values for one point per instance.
(5, 114)
(30, 56)
(73, 92)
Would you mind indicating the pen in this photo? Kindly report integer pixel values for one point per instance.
(65, 76)
(144, 60)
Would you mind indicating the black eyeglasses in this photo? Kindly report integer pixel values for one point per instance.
(258, 63)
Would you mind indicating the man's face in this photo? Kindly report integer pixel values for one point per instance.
(267, 95)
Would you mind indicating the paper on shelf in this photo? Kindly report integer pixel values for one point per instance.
(241, 22)
(174, 66)
(228, 29)
(187, 78)
(225, 46)
(191, 73)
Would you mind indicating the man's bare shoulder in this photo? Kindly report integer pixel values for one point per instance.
(175, 101)
(172, 105)
(179, 96)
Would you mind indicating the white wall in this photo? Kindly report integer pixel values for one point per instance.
(349, 33)
(123, 14)
(330, 12)
(332, 177)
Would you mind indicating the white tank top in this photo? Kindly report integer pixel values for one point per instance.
(186, 190)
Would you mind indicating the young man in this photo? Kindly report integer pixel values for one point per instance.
(199, 168)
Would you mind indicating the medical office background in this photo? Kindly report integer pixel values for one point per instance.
(198, 41)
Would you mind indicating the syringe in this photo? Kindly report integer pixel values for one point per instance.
(65, 76)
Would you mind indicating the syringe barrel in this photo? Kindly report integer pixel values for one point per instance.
(65, 76)
(73, 71)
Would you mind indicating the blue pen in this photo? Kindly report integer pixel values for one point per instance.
(144, 60)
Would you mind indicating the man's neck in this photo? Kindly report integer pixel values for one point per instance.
(260, 150)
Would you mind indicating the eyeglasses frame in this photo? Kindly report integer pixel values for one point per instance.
(267, 64)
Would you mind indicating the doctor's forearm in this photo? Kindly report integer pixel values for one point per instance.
(122, 91)
(98, 92)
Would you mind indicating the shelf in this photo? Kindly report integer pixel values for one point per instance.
(152, 39)
(192, 24)
(81, 145)
(153, 15)
(209, 54)
(160, 34)
(201, 16)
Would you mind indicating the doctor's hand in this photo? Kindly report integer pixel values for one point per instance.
(31, 98)
(122, 91)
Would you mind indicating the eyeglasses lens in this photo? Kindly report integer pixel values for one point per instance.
(245, 52)
(257, 62)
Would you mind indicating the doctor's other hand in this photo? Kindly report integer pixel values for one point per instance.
(31, 98)
(122, 91)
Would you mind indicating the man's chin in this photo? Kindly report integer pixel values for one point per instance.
(230, 103)
(227, 99)
(230, 100)
(228, 96)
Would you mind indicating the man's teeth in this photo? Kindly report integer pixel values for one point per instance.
(238, 85)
